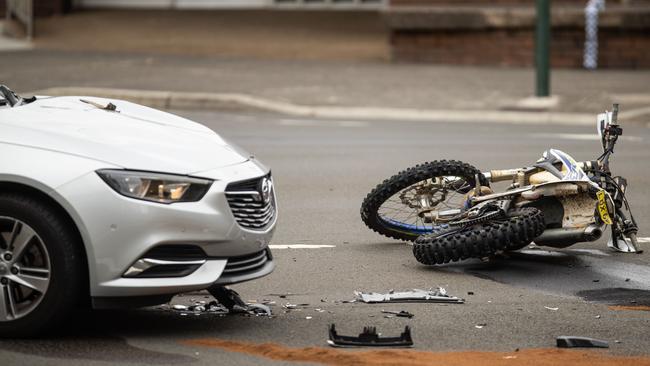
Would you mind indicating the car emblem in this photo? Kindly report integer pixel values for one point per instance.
(267, 188)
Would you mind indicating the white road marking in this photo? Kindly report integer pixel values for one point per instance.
(643, 240)
(300, 246)
(581, 136)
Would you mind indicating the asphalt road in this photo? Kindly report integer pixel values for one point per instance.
(323, 170)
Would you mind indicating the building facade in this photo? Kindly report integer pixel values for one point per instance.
(466, 32)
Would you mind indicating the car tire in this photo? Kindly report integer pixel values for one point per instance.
(52, 253)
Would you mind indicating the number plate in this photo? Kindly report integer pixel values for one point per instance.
(602, 208)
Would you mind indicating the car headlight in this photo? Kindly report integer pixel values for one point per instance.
(155, 187)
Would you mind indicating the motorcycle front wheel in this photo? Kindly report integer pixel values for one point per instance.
(395, 207)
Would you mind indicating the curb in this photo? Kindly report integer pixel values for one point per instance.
(245, 102)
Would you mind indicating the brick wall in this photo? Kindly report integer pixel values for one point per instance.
(618, 49)
(505, 36)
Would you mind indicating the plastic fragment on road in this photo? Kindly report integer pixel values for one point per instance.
(435, 296)
(550, 308)
(574, 342)
(401, 314)
(216, 308)
(258, 310)
(369, 338)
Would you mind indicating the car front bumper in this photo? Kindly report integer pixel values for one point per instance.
(118, 231)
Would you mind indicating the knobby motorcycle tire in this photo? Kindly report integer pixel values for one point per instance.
(404, 179)
(482, 240)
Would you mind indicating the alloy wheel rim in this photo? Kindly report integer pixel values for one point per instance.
(25, 269)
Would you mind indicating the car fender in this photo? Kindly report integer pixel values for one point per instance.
(45, 171)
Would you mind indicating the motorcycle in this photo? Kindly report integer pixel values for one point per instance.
(449, 211)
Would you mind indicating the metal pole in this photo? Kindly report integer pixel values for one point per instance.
(542, 40)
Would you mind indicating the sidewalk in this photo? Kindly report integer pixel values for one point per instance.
(420, 91)
(327, 64)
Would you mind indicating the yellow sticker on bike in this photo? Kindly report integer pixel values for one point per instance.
(602, 207)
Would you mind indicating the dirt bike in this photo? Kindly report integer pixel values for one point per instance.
(450, 212)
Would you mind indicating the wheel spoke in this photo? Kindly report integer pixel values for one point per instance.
(38, 272)
(11, 302)
(26, 269)
(38, 284)
(444, 192)
(20, 240)
(4, 300)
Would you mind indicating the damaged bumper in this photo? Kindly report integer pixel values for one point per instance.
(137, 248)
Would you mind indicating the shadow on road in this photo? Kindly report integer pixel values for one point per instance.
(592, 275)
(94, 335)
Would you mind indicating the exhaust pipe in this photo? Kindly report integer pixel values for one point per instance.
(561, 238)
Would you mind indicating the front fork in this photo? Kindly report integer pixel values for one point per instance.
(624, 230)
(624, 235)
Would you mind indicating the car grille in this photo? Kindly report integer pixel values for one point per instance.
(246, 263)
(247, 204)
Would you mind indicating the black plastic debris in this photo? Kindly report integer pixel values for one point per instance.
(369, 338)
(228, 302)
(227, 297)
(436, 296)
(573, 342)
(258, 309)
(401, 314)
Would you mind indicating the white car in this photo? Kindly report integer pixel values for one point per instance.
(123, 205)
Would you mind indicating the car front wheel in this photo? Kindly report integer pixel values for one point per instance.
(41, 268)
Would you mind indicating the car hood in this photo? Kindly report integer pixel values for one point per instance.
(132, 136)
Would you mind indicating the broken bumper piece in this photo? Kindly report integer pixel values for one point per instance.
(582, 342)
(369, 338)
(435, 296)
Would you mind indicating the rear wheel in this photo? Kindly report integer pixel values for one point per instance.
(398, 206)
(41, 272)
(451, 244)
